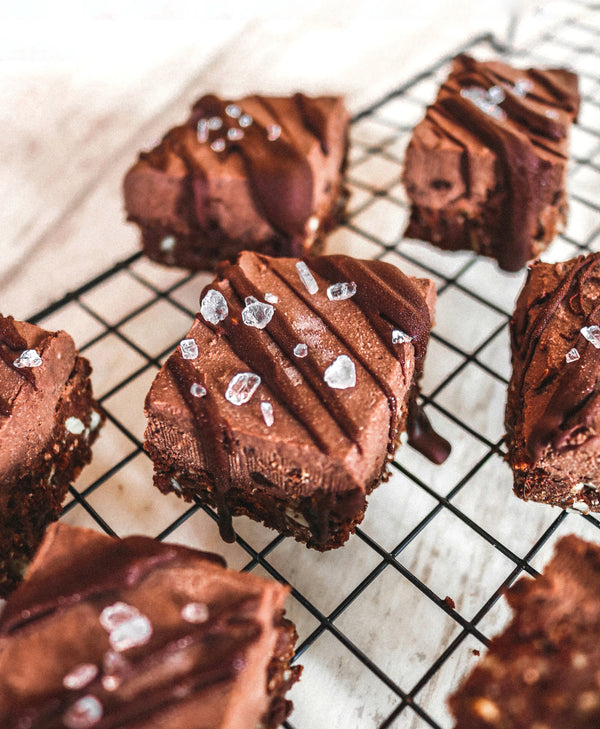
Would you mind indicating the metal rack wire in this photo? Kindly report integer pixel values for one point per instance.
(389, 623)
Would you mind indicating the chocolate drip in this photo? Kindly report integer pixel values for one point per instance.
(421, 435)
(208, 423)
(573, 403)
(12, 342)
(280, 177)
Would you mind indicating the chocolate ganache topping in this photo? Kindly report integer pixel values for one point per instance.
(564, 388)
(394, 308)
(484, 98)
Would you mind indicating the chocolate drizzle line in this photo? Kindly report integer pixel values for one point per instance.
(12, 342)
(576, 386)
(215, 649)
(279, 175)
(213, 432)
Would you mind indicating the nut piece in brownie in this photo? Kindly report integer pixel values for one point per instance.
(542, 671)
(288, 396)
(261, 173)
(48, 422)
(486, 168)
(553, 405)
(134, 633)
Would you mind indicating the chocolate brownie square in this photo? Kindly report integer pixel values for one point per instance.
(134, 633)
(48, 422)
(542, 671)
(288, 396)
(553, 404)
(260, 173)
(486, 168)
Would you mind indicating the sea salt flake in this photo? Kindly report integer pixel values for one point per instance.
(214, 307)
(341, 291)
(202, 130)
(189, 349)
(215, 123)
(110, 683)
(341, 374)
(245, 121)
(241, 387)
(592, 334)
(28, 358)
(273, 132)
(572, 355)
(84, 713)
(235, 134)
(271, 298)
(197, 390)
(167, 244)
(300, 350)
(307, 278)
(195, 612)
(400, 337)
(313, 224)
(95, 420)
(119, 612)
(257, 314)
(233, 110)
(74, 425)
(133, 632)
(218, 145)
(267, 412)
(80, 676)
(496, 95)
(551, 113)
(479, 96)
(522, 87)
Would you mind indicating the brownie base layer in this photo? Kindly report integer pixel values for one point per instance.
(34, 499)
(199, 251)
(281, 676)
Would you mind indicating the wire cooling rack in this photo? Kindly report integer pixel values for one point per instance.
(389, 623)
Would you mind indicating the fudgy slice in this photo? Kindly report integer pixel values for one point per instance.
(133, 633)
(542, 671)
(289, 394)
(553, 404)
(260, 173)
(486, 168)
(48, 422)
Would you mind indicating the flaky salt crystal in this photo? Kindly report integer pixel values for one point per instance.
(400, 337)
(214, 306)
(267, 412)
(271, 298)
(572, 355)
(300, 350)
(341, 374)
(522, 87)
(235, 134)
(257, 315)
(167, 244)
(245, 121)
(80, 676)
(195, 612)
(197, 390)
(341, 291)
(215, 123)
(119, 612)
(307, 278)
(189, 349)
(74, 425)
(133, 632)
(273, 132)
(28, 358)
(202, 131)
(233, 110)
(241, 387)
(218, 145)
(551, 113)
(84, 713)
(592, 334)
(478, 96)
(496, 95)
